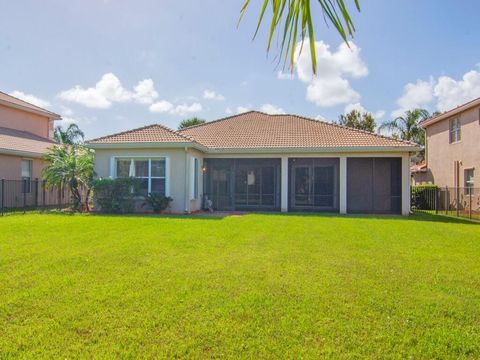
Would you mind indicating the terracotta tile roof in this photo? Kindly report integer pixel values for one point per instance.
(16, 141)
(253, 130)
(16, 102)
(147, 134)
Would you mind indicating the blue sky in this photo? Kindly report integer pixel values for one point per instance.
(116, 65)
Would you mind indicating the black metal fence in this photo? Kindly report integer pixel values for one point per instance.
(23, 195)
(454, 201)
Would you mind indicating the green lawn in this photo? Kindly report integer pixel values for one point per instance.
(254, 286)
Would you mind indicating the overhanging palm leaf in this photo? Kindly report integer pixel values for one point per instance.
(71, 135)
(297, 23)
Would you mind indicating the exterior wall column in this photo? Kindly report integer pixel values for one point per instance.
(284, 185)
(343, 185)
(406, 184)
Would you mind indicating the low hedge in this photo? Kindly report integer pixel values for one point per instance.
(115, 195)
(424, 196)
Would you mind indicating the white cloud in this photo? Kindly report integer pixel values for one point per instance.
(359, 107)
(451, 93)
(415, 95)
(66, 121)
(228, 111)
(65, 111)
(164, 106)
(242, 109)
(271, 109)
(285, 76)
(32, 99)
(145, 92)
(445, 93)
(185, 109)
(109, 90)
(330, 87)
(212, 95)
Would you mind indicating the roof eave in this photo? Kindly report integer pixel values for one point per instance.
(448, 114)
(344, 149)
(45, 113)
(146, 145)
(22, 153)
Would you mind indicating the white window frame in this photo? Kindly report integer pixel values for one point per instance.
(28, 189)
(113, 168)
(470, 182)
(455, 131)
(194, 178)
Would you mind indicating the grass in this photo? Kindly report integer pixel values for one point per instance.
(255, 286)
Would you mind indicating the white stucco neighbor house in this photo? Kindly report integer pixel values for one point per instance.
(260, 162)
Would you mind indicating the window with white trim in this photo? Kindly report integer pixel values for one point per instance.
(455, 130)
(26, 168)
(469, 179)
(150, 171)
(194, 179)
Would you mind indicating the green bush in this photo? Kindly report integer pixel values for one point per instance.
(115, 195)
(424, 197)
(157, 201)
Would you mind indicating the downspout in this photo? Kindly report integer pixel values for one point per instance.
(187, 195)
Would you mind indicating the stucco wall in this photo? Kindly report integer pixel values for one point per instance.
(441, 155)
(178, 164)
(21, 120)
(10, 167)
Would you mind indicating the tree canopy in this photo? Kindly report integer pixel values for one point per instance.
(70, 136)
(355, 119)
(190, 122)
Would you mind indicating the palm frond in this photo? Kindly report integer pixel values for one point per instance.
(296, 16)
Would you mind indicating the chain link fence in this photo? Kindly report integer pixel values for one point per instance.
(455, 201)
(27, 195)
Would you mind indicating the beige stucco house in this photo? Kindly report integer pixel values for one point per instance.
(26, 132)
(260, 162)
(452, 147)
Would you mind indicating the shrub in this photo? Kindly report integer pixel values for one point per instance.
(157, 201)
(115, 195)
(424, 197)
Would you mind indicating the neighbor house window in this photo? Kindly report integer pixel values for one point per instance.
(150, 171)
(26, 167)
(455, 131)
(194, 179)
(469, 180)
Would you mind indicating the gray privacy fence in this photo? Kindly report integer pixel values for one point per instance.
(455, 201)
(22, 195)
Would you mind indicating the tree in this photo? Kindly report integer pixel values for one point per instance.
(406, 127)
(71, 166)
(296, 16)
(355, 119)
(70, 136)
(190, 122)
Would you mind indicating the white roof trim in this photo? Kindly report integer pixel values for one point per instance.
(20, 153)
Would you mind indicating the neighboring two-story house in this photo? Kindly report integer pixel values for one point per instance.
(452, 147)
(26, 133)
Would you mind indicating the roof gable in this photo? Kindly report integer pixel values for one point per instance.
(12, 101)
(148, 134)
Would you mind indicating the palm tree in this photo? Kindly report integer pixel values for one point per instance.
(70, 136)
(406, 127)
(296, 16)
(190, 122)
(72, 166)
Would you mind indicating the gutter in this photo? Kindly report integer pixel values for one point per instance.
(383, 149)
(21, 153)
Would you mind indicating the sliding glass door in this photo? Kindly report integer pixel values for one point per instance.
(314, 184)
(243, 184)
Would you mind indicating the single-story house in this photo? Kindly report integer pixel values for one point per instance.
(260, 162)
